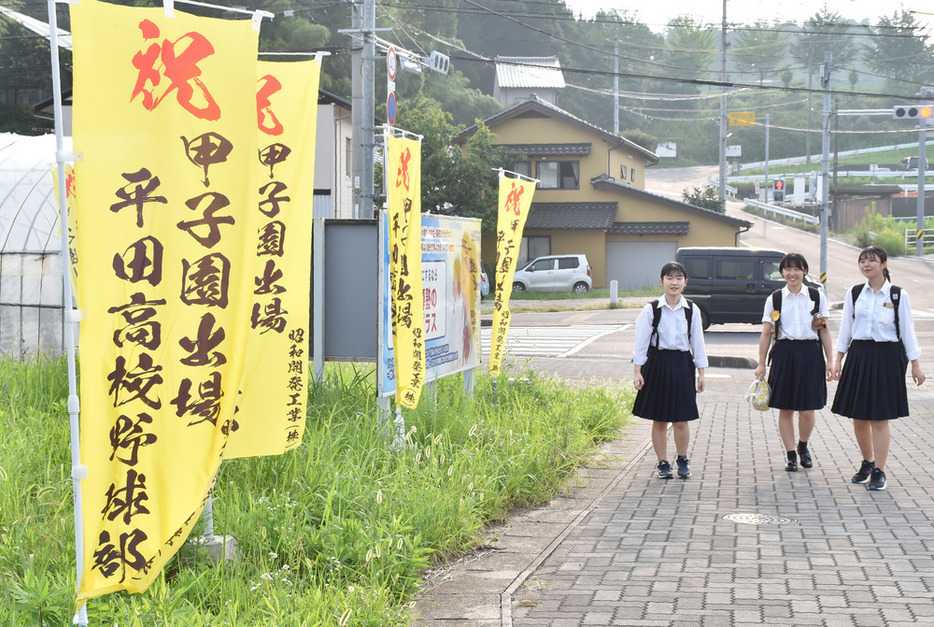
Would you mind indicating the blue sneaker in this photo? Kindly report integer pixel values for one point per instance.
(684, 470)
(664, 470)
(877, 481)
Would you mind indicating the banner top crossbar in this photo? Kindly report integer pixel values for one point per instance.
(503, 172)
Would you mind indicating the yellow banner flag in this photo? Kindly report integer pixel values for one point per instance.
(404, 178)
(515, 198)
(165, 116)
(271, 409)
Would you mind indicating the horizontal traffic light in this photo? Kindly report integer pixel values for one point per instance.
(912, 112)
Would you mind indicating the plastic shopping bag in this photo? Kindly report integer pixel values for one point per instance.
(758, 394)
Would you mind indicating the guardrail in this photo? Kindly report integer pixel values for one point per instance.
(911, 238)
(788, 213)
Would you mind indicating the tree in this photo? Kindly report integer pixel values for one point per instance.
(707, 197)
(759, 50)
(690, 49)
(25, 78)
(826, 31)
(898, 50)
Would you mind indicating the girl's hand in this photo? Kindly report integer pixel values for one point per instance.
(700, 381)
(638, 381)
(916, 373)
(837, 369)
(831, 372)
(760, 371)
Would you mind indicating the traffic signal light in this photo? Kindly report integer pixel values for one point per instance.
(778, 190)
(912, 112)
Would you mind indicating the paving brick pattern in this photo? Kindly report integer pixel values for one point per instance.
(824, 551)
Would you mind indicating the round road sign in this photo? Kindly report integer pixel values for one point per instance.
(392, 62)
(391, 107)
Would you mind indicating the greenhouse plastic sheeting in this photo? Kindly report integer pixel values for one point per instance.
(31, 320)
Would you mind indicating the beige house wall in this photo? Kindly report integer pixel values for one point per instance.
(552, 131)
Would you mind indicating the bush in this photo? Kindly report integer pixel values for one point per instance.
(876, 230)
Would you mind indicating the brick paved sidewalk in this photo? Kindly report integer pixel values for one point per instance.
(810, 548)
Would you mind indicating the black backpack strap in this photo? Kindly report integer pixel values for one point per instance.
(815, 298)
(689, 315)
(777, 306)
(854, 294)
(656, 318)
(895, 294)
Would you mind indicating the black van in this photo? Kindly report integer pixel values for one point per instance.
(731, 284)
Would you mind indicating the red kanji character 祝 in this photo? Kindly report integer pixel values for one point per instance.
(177, 63)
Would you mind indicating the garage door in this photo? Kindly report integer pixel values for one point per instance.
(637, 264)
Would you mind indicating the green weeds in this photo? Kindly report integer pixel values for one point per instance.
(336, 532)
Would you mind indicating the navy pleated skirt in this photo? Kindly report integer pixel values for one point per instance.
(798, 375)
(872, 384)
(669, 393)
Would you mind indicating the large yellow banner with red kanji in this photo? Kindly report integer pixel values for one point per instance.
(165, 118)
(515, 199)
(271, 410)
(404, 180)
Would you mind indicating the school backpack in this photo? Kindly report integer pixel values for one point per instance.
(657, 317)
(777, 306)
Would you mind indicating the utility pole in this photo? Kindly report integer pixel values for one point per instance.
(825, 165)
(357, 114)
(363, 105)
(927, 93)
(723, 105)
(616, 84)
(766, 155)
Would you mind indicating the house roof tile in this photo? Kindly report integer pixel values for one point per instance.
(651, 228)
(547, 150)
(571, 215)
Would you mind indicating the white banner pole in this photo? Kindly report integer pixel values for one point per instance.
(78, 471)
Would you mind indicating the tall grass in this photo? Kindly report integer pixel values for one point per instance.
(335, 532)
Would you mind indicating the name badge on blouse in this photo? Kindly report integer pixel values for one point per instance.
(888, 305)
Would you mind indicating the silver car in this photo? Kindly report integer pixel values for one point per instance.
(554, 273)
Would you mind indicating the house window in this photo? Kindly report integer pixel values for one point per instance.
(524, 168)
(348, 146)
(558, 174)
(633, 170)
(624, 174)
(532, 247)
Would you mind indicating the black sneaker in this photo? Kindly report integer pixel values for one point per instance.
(664, 470)
(864, 472)
(877, 481)
(791, 465)
(804, 455)
(684, 470)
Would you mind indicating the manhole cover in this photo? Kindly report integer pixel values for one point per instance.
(758, 519)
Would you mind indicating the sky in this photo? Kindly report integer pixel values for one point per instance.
(657, 14)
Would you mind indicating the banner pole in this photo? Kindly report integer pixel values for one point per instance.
(70, 315)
